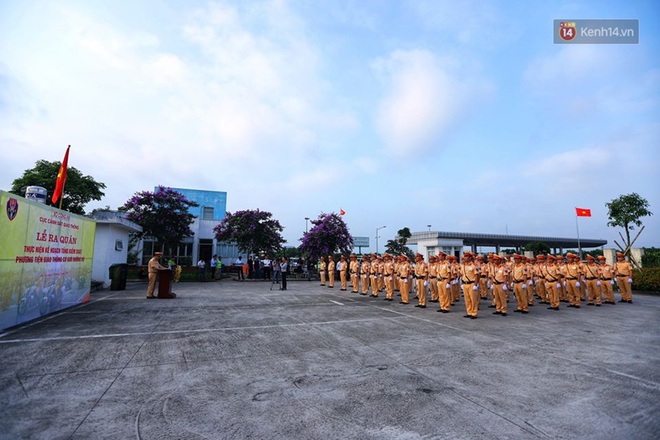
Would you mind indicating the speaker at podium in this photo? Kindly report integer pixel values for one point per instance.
(165, 284)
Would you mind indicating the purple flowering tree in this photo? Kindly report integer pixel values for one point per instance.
(163, 215)
(329, 234)
(254, 231)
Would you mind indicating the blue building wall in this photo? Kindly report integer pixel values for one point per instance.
(214, 199)
(203, 228)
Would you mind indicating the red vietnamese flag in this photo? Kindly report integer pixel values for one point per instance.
(581, 212)
(61, 177)
(341, 212)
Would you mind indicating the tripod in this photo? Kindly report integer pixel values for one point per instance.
(276, 280)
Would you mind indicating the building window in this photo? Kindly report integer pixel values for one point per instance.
(181, 252)
(119, 245)
(208, 213)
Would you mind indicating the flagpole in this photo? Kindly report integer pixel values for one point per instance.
(61, 179)
(64, 181)
(578, 235)
(61, 196)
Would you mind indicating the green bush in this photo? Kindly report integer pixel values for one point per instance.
(187, 273)
(136, 272)
(648, 279)
(651, 257)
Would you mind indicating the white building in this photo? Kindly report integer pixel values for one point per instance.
(110, 243)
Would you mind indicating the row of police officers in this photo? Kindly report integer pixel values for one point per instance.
(551, 279)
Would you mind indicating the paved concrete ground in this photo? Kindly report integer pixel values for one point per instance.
(235, 360)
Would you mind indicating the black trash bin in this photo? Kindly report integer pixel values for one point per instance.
(118, 275)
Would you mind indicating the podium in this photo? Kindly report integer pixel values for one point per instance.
(165, 284)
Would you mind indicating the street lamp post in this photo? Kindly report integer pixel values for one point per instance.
(429, 226)
(306, 268)
(378, 229)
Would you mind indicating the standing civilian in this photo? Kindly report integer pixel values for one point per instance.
(214, 265)
(284, 268)
(267, 268)
(239, 268)
(201, 267)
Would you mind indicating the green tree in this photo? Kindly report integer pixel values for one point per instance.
(398, 246)
(163, 214)
(594, 253)
(78, 190)
(328, 235)
(538, 247)
(254, 231)
(626, 211)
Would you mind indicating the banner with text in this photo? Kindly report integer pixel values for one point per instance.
(45, 259)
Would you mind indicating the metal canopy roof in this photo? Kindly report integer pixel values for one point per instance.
(502, 240)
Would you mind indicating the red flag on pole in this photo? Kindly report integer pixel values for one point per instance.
(61, 177)
(581, 212)
(341, 212)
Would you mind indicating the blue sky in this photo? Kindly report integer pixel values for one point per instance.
(461, 115)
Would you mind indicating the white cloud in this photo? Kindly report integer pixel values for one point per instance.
(422, 100)
(589, 80)
(577, 170)
(568, 65)
(265, 100)
(239, 91)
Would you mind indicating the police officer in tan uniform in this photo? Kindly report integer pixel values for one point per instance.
(530, 264)
(606, 280)
(421, 280)
(490, 270)
(404, 282)
(433, 277)
(583, 285)
(624, 280)
(342, 266)
(519, 278)
(153, 267)
(592, 280)
(354, 269)
(388, 277)
(331, 272)
(500, 277)
(365, 271)
(322, 270)
(444, 283)
(381, 273)
(482, 270)
(470, 280)
(573, 275)
(455, 279)
(374, 275)
(397, 261)
(552, 282)
(561, 270)
(539, 270)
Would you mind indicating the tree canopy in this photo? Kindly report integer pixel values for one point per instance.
(538, 247)
(163, 214)
(78, 190)
(626, 211)
(253, 231)
(398, 246)
(329, 234)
